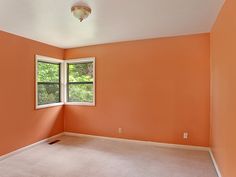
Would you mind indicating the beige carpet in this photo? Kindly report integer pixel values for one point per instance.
(90, 157)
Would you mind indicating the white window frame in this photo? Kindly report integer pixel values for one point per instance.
(81, 60)
(63, 76)
(62, 80)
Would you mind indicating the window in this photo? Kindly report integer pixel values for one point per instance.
(64, 81)
(48, 82)
(81, 81)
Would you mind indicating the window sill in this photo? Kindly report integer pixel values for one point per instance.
(49, 105)
(61, 104)
(79, 104)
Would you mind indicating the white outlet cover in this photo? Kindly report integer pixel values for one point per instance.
(185, 136)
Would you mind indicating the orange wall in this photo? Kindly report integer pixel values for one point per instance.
(223, 117)
(154, 89)
(20, 123)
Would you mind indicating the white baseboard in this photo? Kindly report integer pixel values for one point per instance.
(28, 147)
(188, 147)
(215, 164)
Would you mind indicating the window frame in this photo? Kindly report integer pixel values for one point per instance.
(39, 58)
(75, 61)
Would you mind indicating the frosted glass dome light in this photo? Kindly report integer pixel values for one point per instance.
(81, 12)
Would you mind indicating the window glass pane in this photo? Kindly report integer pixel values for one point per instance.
(80, 72)
(80, 93)
(48, 93)
(48, 72)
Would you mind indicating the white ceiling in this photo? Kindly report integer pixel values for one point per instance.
(51, 22)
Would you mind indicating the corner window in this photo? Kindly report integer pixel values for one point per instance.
(81, 81)
(48, 82)
(59, 82)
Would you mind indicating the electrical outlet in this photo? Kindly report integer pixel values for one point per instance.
(185, 135)
(120, 130)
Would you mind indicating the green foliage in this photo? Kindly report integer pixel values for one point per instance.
(81, 93)
(48, 72)
(81, 72)
(48, 93)
(78, 92)
(49, 85)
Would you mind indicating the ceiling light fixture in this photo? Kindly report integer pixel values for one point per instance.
(81, 12)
